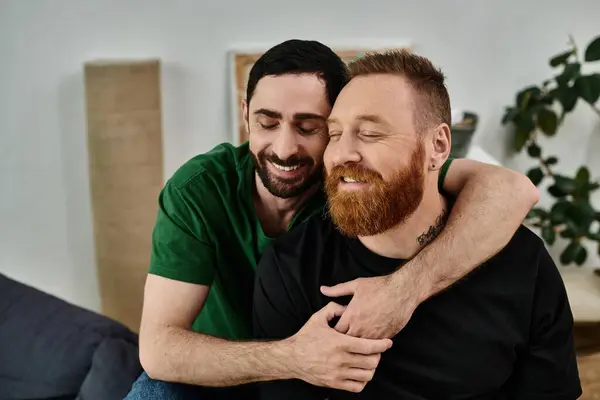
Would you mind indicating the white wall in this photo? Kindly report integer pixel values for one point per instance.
(488, 49)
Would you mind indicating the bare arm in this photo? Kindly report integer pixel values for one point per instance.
(491, 203)
(170, 351)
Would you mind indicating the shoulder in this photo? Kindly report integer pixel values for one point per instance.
(523, 248)
(223, 160)
(525, 244)
(209, 179)
(518, 262)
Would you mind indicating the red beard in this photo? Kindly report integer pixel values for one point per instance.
(381, 206)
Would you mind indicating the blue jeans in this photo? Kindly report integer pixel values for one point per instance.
(146, 388)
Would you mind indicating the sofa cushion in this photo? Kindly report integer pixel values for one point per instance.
(47, 346)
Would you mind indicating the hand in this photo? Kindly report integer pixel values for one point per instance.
(324, 357)
(380, 306)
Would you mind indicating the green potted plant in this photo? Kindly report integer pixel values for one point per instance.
(541, 110)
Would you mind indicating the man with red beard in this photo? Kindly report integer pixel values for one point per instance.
(502, 332)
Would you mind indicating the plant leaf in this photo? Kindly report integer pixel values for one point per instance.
(551, 160)
(535, 175)
(567, 96)
(557, 212)
(511, 113)
(524, 126)
(521, 137)
(537, 212)
(549, 235)
(567, 233)
(526, 95)
(569, 253)
(547, 121)
(583, 175)
(570, 72)
(594, 236)
(534, 150)
(588, 87)
(580, 255)
(592, 52)
(565, 184)
(560, 58)
(579, 217)
(556, 192)
(590, 187)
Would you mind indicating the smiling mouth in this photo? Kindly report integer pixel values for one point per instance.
(286, 168)
(347, 179)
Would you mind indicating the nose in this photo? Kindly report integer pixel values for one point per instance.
(287, 143)
(344, 150)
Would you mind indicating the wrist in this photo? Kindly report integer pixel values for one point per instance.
(284, 356)
(412, 277)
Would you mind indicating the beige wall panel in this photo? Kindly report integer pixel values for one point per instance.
(124, 125)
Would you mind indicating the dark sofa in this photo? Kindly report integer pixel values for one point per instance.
(50, 349)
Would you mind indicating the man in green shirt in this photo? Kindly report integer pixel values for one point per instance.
(221, 209)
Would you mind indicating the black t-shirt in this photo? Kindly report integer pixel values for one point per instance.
(505, 331)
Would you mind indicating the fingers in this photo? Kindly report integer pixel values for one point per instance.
(343, 325)
(351, 386)
(359, 374)
(361, 361)
(366, 346)
(342, 289)
(329, 312)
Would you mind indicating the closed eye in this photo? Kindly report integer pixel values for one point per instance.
(309, 131)
(267, 126)
(370, 135)
(335, 134)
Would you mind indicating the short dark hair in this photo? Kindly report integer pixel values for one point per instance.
(301, 57)
(432, 103)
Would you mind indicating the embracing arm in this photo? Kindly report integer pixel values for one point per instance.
(182, 270)
(170, 351)
(491, 203)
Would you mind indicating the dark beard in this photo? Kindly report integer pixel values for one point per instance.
(286, 188)
(380, 207)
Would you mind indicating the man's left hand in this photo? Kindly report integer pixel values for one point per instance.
(380, 306)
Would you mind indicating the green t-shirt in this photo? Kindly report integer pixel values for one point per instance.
(207, 232)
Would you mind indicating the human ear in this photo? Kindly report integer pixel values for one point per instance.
(245, 115)
(442, 144)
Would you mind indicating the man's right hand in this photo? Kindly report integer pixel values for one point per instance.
(324, 357)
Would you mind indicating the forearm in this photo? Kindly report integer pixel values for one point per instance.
(488, 210)
(178, 355)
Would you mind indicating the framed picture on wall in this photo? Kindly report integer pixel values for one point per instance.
(243, 60)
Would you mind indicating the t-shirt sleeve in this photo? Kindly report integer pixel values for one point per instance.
(276, 316)
(181, 246)
(443, 173)
(547, 369)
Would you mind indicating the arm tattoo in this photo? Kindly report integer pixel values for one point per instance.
(427, 237)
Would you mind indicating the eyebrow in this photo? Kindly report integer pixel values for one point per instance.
(297, 116)
(365, 118)
(268, 113)
(370, 118)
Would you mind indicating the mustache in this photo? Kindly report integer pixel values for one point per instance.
(289, 162)
(354, 171)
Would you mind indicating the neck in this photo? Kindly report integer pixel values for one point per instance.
(276, 214)
(407, 239)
